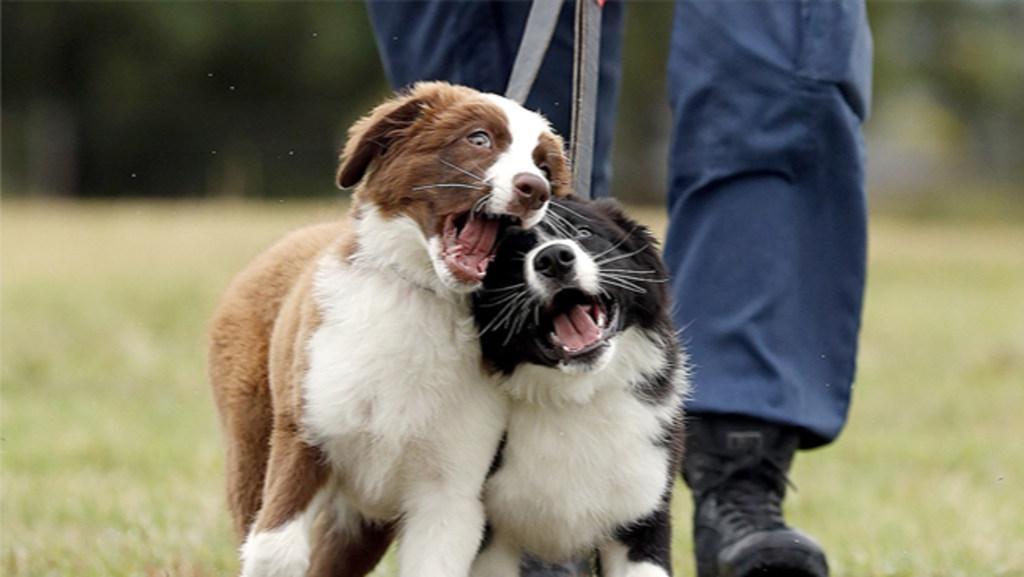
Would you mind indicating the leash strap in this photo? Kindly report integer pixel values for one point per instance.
(586, 61)
(540, 27)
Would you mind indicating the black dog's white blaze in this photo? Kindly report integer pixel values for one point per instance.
(574, 315)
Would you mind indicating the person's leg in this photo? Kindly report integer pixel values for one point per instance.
(475, 43)
(766, 242)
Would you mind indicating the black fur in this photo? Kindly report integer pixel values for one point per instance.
(650, 539)
(654, 388)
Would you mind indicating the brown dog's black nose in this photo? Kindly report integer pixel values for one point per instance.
(532, 191)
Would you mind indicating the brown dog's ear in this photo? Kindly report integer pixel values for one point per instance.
(372, 135)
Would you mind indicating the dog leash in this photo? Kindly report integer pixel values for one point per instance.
(540, 27)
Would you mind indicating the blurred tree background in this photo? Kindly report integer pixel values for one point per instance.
(251, 99)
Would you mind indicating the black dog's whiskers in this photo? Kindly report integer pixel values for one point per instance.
(626, 282)
(523, 313)
(501, 301)
(570, 211)
(496, 321)
(557, 226)
(513, 287)
(623, 282)
(507, 312)
(636, 275)
(597, 257)
(619, 257)
(638, 279)
(635, 279)
(569, 231)
(517, 303)
(630, 271)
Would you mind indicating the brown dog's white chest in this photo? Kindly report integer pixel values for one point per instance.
(395, 387)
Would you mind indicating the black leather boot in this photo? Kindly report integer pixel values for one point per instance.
(736, 469)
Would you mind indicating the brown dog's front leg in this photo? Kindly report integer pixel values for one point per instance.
(347, 546)
(278, 543)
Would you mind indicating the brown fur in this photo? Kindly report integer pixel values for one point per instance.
(336, 555)
(267, 315)
(408, 148)
(549, 155)
(239, 369)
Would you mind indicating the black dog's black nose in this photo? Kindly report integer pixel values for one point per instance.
(555, 261)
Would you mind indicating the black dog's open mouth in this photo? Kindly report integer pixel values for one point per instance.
(577, 326)
(469, 240)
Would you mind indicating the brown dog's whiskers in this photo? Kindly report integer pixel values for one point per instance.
(478, 206)
(448, 185)
(462, 170)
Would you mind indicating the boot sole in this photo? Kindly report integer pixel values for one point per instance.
(777, 563)
(783, 554)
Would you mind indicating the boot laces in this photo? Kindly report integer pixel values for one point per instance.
(749, 494)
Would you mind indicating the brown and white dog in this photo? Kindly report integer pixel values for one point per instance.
(345, 362)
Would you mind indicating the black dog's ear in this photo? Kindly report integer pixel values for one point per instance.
(637, 232)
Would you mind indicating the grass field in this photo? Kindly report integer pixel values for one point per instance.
(111, 451)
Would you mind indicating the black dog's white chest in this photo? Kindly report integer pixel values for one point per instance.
(569, 476)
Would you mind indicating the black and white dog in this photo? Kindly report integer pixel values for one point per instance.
(574, 316)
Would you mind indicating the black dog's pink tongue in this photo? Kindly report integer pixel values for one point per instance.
(576, 329)
(475, 245)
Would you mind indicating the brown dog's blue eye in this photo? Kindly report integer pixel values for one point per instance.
(480, 138)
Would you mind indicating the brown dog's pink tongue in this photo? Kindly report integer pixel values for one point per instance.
(476, 241)
(576, 330)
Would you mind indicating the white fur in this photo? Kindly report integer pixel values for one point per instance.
(586, 270)
(499, 559)
(580, 458)
(282, 551)
(396, 397)
(615, 563)
(399, 245)
(526, 127)
(346, 520)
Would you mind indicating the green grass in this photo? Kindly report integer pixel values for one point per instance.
(111, 450)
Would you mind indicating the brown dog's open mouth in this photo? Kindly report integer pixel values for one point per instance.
(468, 242)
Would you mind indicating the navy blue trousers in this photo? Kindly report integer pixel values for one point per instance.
(767, 216)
